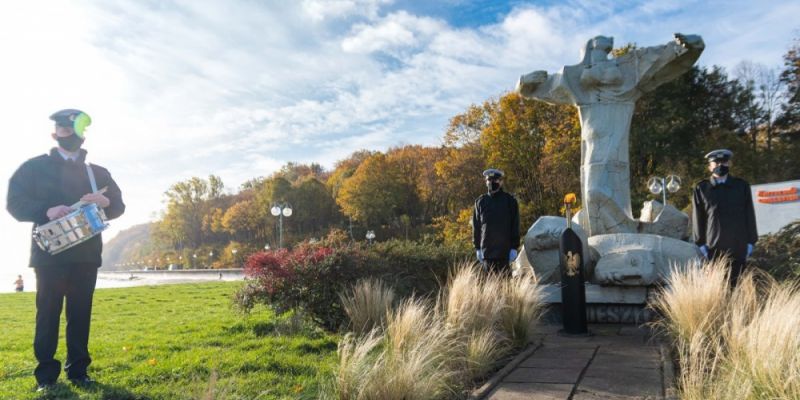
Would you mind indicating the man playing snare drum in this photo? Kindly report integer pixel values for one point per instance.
(43, 189)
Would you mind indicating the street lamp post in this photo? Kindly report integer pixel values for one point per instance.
(280, 211)
(234, 251)
(658, 185)
(370, 236)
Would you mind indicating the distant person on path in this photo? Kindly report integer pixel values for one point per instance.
(19, 284)
(495, 225)
(40, 191)
(723, 218)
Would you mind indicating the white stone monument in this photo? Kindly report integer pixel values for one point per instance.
(625, 251)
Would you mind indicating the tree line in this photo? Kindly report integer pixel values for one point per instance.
(426, 192)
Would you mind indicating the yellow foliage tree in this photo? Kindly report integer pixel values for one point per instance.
(377, 193)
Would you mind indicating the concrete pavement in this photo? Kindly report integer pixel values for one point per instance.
(617, 362)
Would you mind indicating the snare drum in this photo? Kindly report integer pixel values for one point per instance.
(74, 228)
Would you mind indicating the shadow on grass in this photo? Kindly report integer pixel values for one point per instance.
(62, 391)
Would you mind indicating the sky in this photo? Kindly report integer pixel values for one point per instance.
(188, 88)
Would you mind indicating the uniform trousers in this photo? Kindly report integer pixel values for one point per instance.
(500, 267)
(54, 284)
(737, 259)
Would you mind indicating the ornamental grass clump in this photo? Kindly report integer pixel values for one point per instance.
(480, 353)
(524, 306)
(694, 300)
(473, 302)
(747, 346)
(367, 304)
(763, 353)
(434, 350)
(357, 358)
(415, 363)
(409, 360)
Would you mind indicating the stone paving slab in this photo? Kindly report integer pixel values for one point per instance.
(635, 331)
(617, 362)
(622, 382)
(544, 362)
(544, 375)
(633, 351)
(584, 395)
(622, 341)
(605, 361)
(531, 391)
(549, 351)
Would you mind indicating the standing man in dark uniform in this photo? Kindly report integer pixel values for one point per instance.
(723, 218)
(42, 190)
(495, 225)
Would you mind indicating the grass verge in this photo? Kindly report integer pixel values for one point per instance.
(174, 342)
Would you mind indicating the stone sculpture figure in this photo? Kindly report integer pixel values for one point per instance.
(605, 91)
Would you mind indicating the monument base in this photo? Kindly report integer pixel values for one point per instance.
(605, 304)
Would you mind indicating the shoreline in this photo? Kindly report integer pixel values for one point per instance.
(125, 279)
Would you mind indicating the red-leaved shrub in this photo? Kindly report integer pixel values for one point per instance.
(310, 277)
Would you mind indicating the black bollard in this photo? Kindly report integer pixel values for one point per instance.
(573, 289)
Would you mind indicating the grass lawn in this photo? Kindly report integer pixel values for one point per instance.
(173, 342)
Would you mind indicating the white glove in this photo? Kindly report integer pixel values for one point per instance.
(749, 250)
(479, 253)
(512, 255)
(704, 250)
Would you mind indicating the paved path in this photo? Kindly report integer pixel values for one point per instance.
(618, 362)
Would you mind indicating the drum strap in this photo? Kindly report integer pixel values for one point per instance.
(91, 178)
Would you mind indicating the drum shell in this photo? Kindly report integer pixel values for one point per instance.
(75, 228)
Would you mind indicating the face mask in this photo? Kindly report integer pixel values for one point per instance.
(493, 186)
(70, 143)
(721, 170)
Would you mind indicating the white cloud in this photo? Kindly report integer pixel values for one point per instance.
(239, 88)
(319, 10)
(396, 31)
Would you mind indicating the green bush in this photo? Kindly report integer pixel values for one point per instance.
(310, 277)
(413, 267)
(779, 253)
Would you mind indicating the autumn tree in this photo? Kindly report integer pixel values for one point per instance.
(416, 167)
(377, 193)
(344, 169)
(314, 208)
(462, 161)
(537, 146)
(244, 221)
(295, 172)
(187, 205)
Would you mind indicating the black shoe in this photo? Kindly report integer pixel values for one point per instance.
(45, 387)
(83, 381)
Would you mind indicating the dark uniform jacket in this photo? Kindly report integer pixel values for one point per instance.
(723, 217)
(47, 181)
(495, 225)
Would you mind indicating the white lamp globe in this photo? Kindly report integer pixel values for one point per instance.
(673, 183)
(654, 185)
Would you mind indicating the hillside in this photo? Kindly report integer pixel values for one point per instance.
(125, 246)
